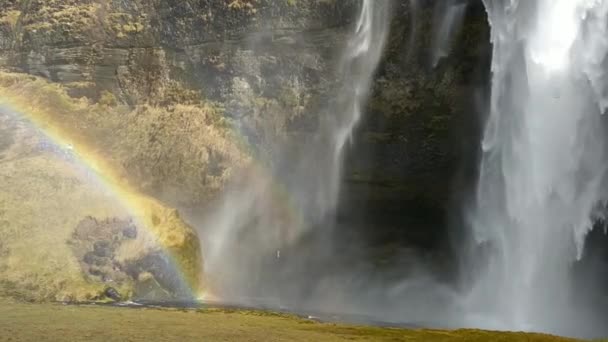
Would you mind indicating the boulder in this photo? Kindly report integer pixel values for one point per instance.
(111, 293)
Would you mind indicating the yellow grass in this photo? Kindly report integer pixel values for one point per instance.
(32, 322)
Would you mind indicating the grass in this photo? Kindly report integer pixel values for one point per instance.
(48, 322)
(42, 200)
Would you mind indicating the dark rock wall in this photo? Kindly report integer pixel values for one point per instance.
(415, 155)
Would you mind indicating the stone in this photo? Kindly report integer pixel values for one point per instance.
(111, 293)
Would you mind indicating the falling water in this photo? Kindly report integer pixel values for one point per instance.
(449, 17)
(544, 158)
(249, 247)
(315, 184)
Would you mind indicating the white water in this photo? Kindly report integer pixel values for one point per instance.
(251, 237)
(544, 159)
(449, 17)
(316, 183)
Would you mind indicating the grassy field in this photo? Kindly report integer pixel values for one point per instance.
(48, 322)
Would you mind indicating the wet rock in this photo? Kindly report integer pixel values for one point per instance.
(111, 293)
(95, 271)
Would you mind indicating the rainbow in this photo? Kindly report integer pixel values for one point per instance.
(148, 213)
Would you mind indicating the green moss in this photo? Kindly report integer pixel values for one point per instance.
(242, 5)
(124, 25)
(108, 99)
(10, 18)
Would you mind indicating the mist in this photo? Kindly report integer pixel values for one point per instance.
(276, 237)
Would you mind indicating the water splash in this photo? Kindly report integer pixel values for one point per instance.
(249, 243)
(544, 153)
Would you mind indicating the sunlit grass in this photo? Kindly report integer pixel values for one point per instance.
(29, 322)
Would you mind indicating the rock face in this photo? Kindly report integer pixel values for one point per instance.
(162, 80)
(100, 246)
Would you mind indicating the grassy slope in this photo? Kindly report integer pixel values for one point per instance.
(34, 322)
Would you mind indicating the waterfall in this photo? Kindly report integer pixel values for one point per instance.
(249, 245)
(449, 18)
(315, 183)
(544, 157)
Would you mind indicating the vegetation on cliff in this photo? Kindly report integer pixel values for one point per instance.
(168, 147)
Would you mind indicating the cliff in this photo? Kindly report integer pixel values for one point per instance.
(161, 85)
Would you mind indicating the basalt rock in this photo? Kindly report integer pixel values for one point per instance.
(414, 155)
